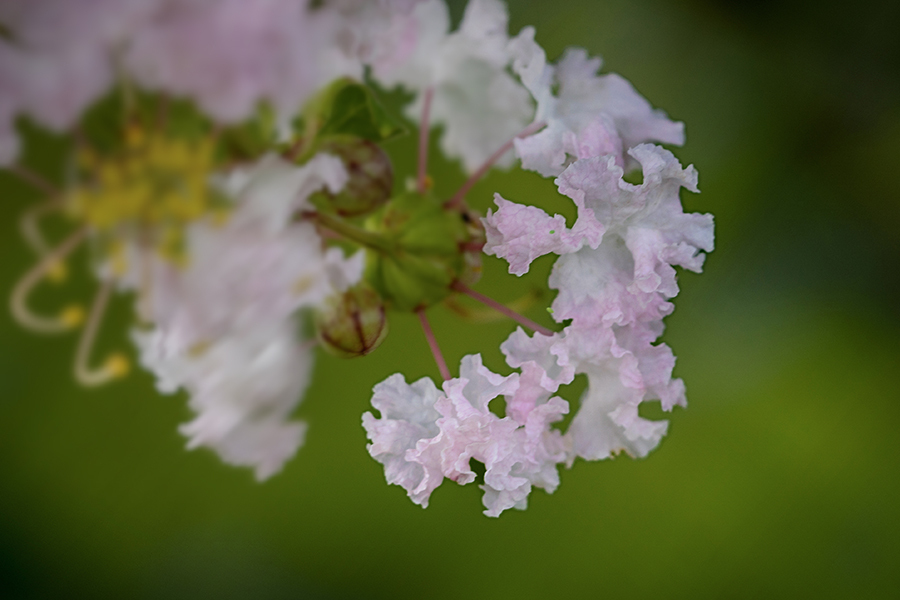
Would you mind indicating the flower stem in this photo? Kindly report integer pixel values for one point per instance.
(505, 310)
(432, 343)
(34, 179)
(422, 179)
(348, 230)
(457, 198)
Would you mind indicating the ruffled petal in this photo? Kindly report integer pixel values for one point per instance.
(520, 233)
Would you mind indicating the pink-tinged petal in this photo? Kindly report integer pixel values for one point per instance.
(583, 94)
(517, 455)
(629, 277)
(588, 116)
(598, 138)
(594, 287)
(229, 55)
(479, 384)
(607, 423)
(544, 351)
(407, 417)
(519, 233)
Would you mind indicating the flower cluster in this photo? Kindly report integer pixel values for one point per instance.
(245, 199)
(615, 278)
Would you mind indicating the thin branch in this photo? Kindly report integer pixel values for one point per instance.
(162, 112)
(522, 320)
(424, 125)
(458, 197)
(432, 343)
(34, 179)
(347, 230)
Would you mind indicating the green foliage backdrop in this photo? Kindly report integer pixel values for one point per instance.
(780, 480)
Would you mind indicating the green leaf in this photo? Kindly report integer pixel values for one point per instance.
(348, 107)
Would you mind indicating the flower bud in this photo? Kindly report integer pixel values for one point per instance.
(427, 251)
(352, 323)
(371, 176)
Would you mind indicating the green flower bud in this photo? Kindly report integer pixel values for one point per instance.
(352, 323)
(426, 247)
(371, 177)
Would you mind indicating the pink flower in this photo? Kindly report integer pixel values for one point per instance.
(424, 436)
(590, 115)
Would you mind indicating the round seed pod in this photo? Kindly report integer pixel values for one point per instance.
(371, 176)
(352, 323)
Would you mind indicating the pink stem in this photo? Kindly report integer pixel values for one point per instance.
(505, 310)
(162, 112)
(457, 198)
(423, 141)
(34, 179)
(432, 343)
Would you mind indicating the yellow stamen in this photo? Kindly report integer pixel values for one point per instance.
(158, 183)
(117, 366)
(57, 272)
(72, 316)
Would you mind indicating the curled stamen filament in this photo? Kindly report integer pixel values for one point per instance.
(502, 309)
(29, 226)
(457, 198)
(18, 302)
(432, 343)
(116, 365)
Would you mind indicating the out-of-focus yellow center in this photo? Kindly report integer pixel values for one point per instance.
(157, 184)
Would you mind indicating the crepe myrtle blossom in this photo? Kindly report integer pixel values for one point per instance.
(425, 435)
(587, 114)
(615, 277)
(228, 174)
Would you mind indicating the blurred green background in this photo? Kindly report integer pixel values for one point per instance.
(780, 480)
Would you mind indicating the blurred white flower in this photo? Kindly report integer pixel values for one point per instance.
(480, 105)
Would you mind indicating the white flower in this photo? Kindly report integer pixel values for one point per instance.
(243, 387)
(615, 277)
(627, 276)
(590, 115)
(229, 55)
(424, 436)
(480, 105)
(261, 264)
(226, 55)
(407, 416)
(59, 59)
(223, 325)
